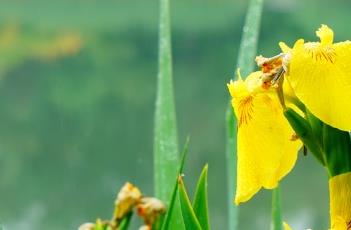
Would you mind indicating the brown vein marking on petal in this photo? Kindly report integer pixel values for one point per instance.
(245, 109)
(348, 225)
(319, 53)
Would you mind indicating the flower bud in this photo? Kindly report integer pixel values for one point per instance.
(150, 209)
(87, 226)
(126, 199)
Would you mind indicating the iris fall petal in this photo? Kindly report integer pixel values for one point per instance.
(320, 74)
(265, 150)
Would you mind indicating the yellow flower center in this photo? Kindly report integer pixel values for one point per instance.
(272, 69)
(320, 52)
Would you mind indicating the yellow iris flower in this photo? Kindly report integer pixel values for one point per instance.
(340, 201)
(265, 149)
(320, 75)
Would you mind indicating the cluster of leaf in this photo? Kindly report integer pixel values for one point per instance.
(195, 214)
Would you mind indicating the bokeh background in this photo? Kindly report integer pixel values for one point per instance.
(77, 98)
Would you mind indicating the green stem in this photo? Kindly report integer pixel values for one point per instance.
(277, 223)
(125, 222)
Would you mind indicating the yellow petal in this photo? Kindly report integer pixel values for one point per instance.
(286, 226)
(340, 201)
(298, 44)
(288, 90)
(265, 151)
(339, 224)
(284, 47)
(320, 74)
(237, 88)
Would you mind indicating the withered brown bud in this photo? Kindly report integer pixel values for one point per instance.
(149, 209)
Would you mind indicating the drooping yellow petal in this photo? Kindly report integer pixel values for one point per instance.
(320, 74)
(340, 201)
(265, 150)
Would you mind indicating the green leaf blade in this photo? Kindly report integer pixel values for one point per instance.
(249, 40)
(165, 130)
(190, 220)
(200, 203)
(167, 219)
(231, 168)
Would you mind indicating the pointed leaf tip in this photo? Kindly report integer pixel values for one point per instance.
(200, 203)
(190, 220)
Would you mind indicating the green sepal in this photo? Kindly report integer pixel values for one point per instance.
(305, 133)
(337, 148)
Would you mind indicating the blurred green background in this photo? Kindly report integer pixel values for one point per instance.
(77, 96)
